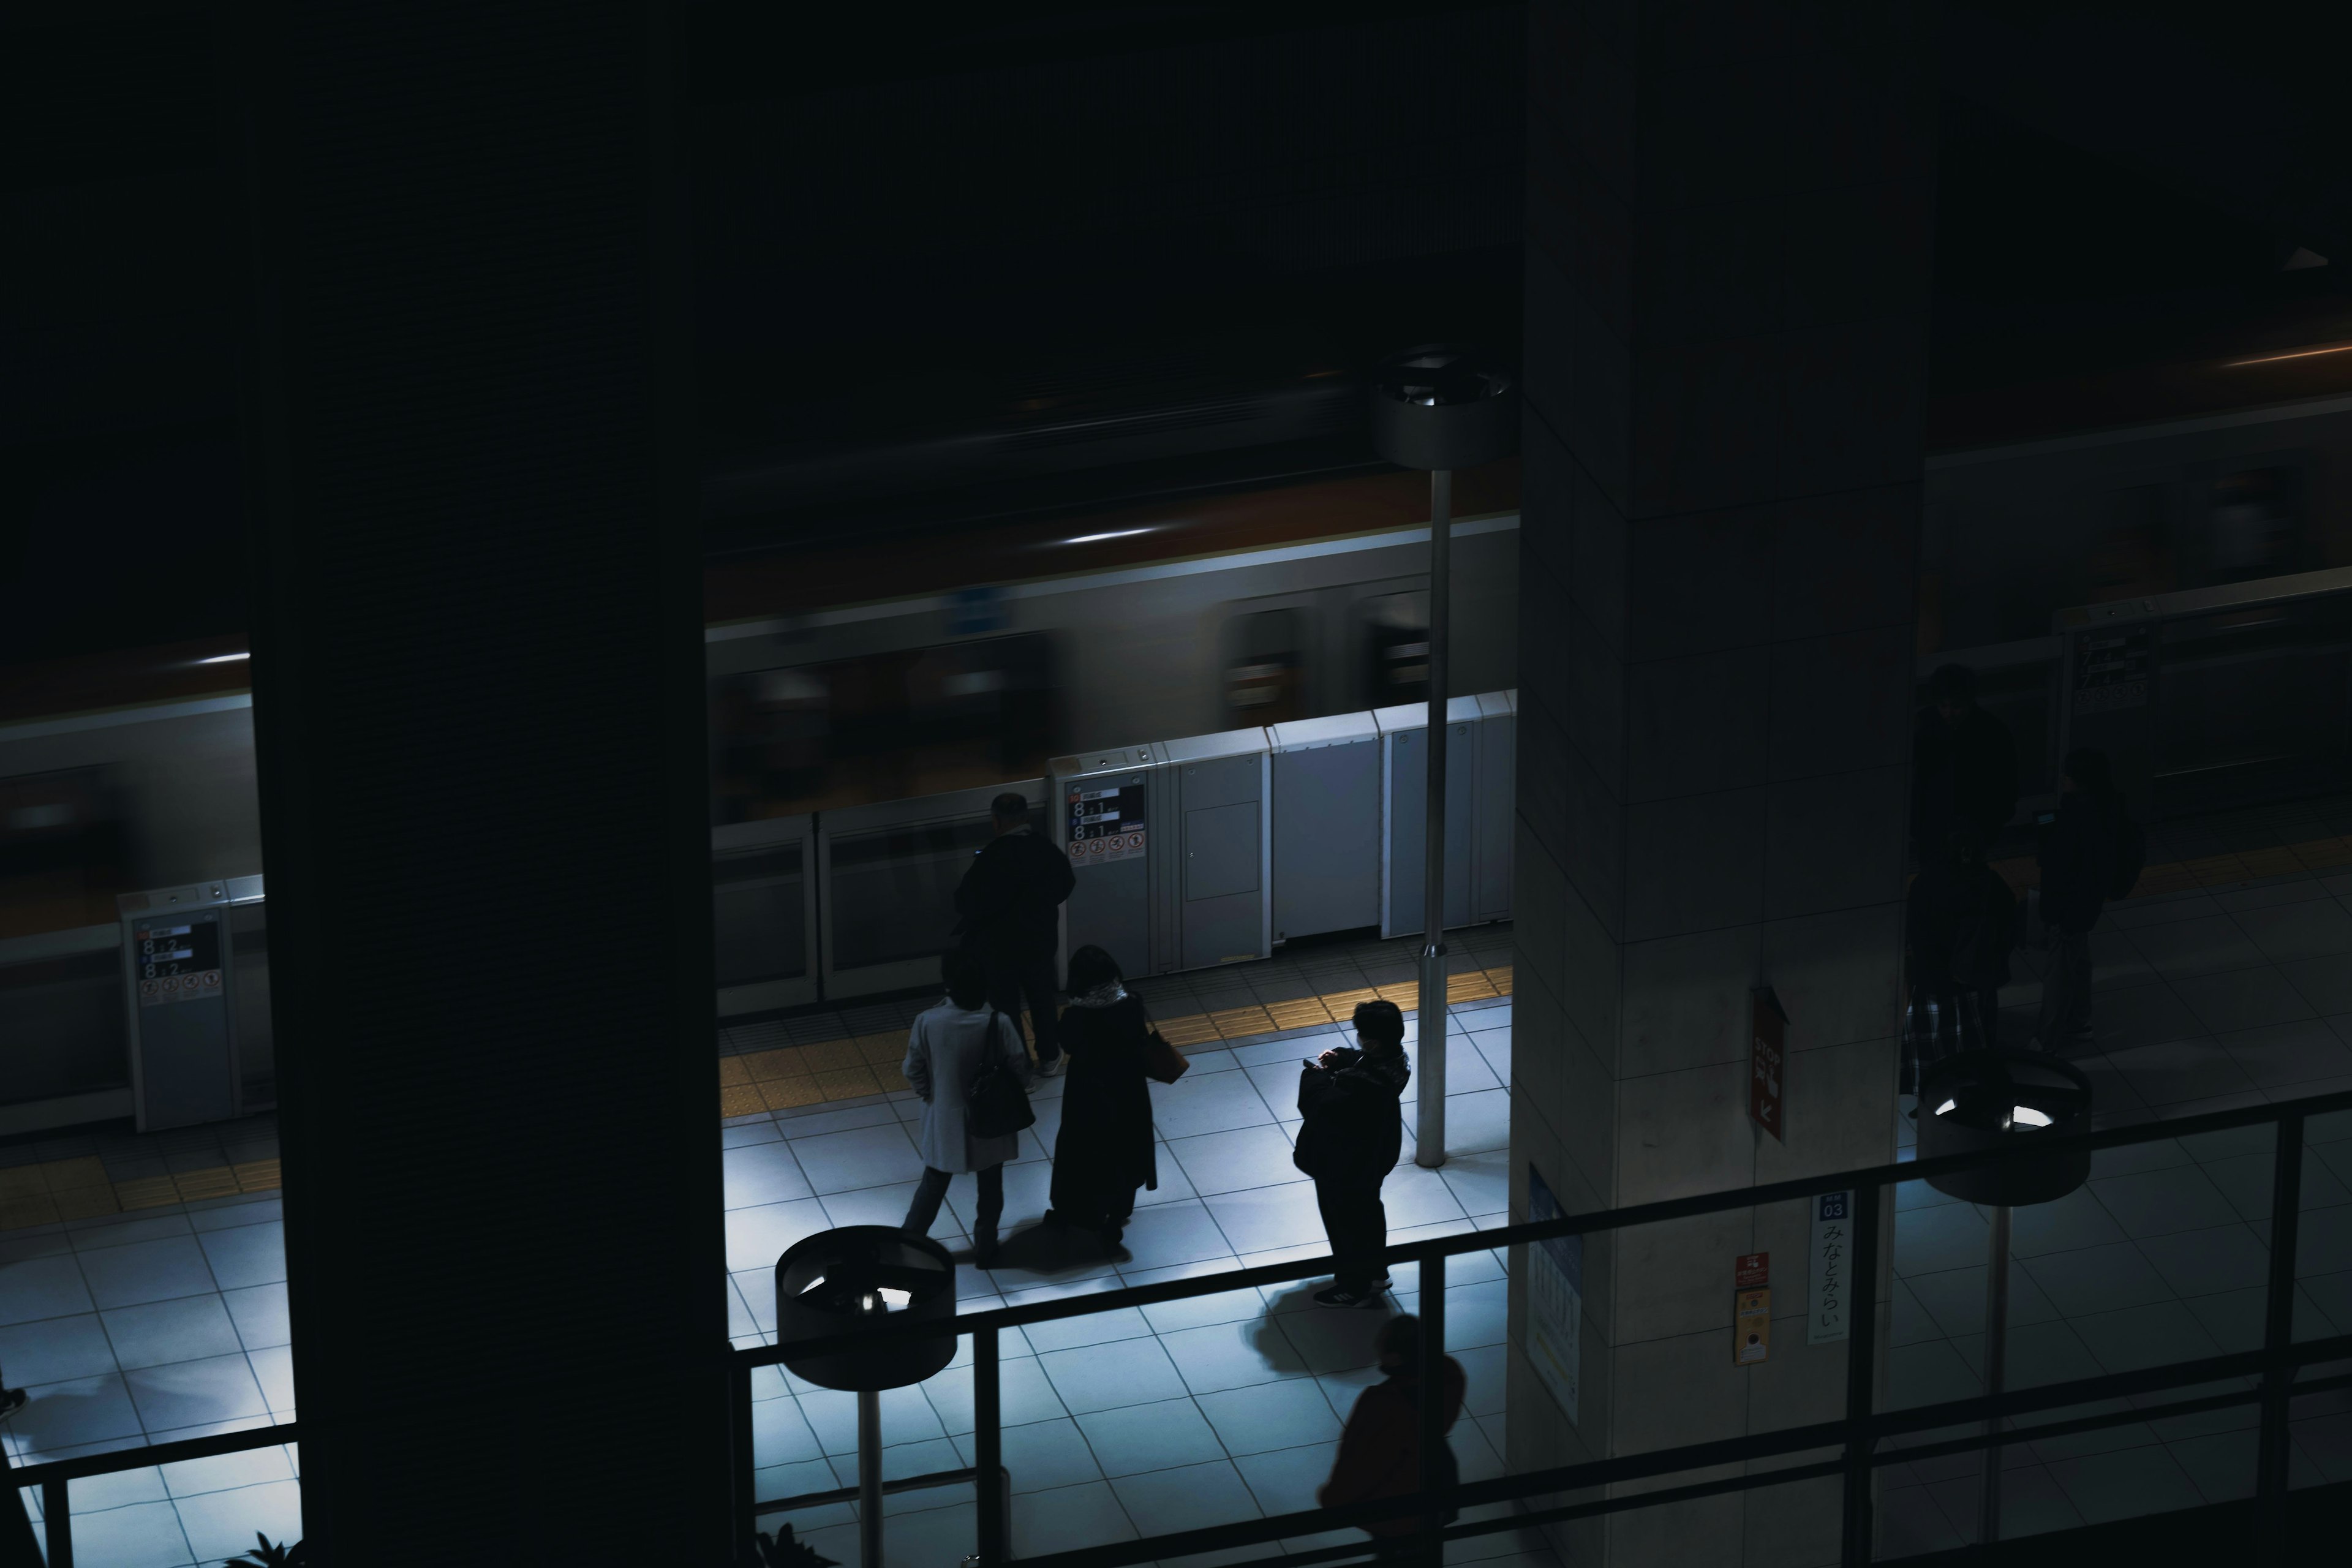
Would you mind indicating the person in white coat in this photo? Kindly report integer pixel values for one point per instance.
(944, 1052)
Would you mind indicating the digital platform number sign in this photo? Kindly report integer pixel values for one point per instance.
(178, 959)
(1104, 825)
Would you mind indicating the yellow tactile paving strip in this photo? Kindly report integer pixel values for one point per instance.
(2211, 871)
(844, 1070)
(57, 1190)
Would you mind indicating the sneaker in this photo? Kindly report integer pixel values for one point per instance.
(1055, 1069)
(1341, 1296)
(12, 1400)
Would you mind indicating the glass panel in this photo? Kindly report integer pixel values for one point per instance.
(2323, 1248)
(62, 1018)
(761, 915)
(893, 890)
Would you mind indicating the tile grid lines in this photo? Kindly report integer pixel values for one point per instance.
(1209, 1384)
(2160, 1255)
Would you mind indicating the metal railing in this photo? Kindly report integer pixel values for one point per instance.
(55, 1479)
(1857, 1438)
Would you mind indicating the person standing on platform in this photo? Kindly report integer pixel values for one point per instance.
(1963, 768)
(1007, 910)
(1380, 1448)
(945, 1050)
(1104, 1152)
(2078, 862)
(1353, 1132)
(1960, 923)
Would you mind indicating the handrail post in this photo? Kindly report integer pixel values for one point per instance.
(988, 1443)
(56, 1522)
(743, 1483)
(1996, 1363)
(1434, 1500)
(2271, 1465)
(1861, 1375)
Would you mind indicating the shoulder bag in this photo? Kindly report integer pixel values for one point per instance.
(1163, 1063)
(994, 1103)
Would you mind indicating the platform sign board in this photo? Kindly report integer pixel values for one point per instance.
(1830, 1262)
(1768, 1060)
(176, 958)
(1555, 1301)
(1106, 823)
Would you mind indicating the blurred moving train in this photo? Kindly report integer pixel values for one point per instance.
(860, 673)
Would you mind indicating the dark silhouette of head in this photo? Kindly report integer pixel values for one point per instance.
(1091, 967)
(1009, 811)
(1379, 1024)
(966, 978)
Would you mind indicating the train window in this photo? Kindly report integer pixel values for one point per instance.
(1397, 647)
(1267, 684)
(883, 726)
(2253, 526)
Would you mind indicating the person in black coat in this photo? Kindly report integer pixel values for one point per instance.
(1353, 1132)
(1960, 923)
(1007, 910)
(1104, 1152)
(1963, 768)
(2077, 858)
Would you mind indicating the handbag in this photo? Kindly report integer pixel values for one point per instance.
(1163, 1063)
(994, 1103)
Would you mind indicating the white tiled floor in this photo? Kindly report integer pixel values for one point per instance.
(144, 1327)
(1189, 1414)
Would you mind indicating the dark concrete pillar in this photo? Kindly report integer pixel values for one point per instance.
(478, 708)
(1729, 213)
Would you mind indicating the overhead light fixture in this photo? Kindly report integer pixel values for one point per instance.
(1098, 538)
(1947, 1108)
(225, 658)
(2026, 1116)
(896, 1300)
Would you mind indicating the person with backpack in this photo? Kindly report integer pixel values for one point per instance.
(948, 1049)
(1960, 923)
(2091, 851)
(1380, 1448)
(1350, 1135)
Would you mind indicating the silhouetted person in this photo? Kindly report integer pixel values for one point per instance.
(945, 1049)
(1380, 1448)
(1353, 1132)
(1007, 912)
(1959, 924)
(1963, 767)
(1104, 1151)
(2078, 863)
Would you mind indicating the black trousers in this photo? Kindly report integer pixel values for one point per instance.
(1358, 1223)
(932, 1190)
(2065, 1020)
(1012, 982)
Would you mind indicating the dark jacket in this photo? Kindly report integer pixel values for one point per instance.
(1352, 1127)
(1380, 1448)
(1963, 778)
(2078, 857)
(1005, 904)
(1958, 912)
(1104, 1150)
